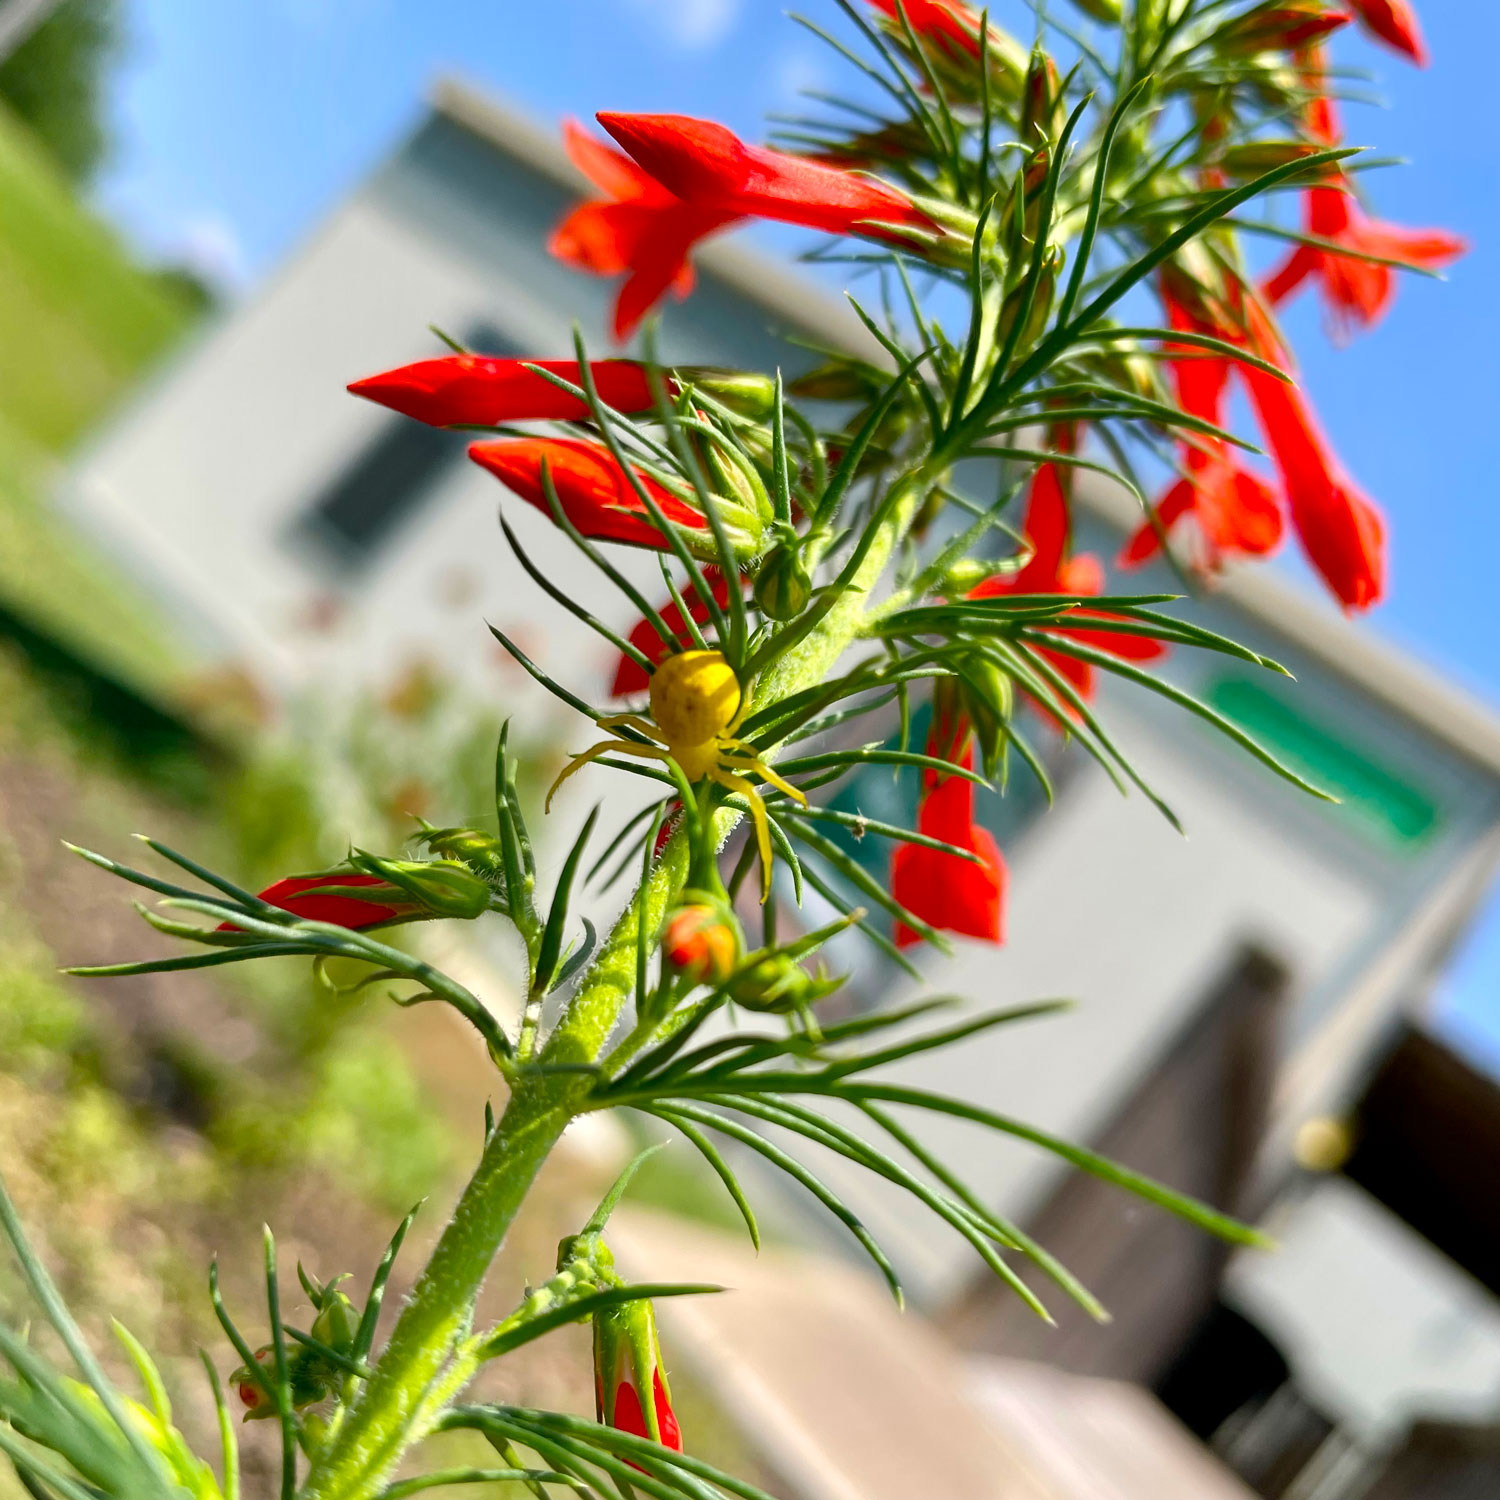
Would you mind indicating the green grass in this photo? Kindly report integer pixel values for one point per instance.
(80, 320)
(79, 317)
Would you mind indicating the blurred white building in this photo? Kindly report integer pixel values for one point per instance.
(1232, 987)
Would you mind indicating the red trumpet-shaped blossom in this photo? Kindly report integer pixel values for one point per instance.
(630, 675)
(343, 911)
(946, 890)
(1051, 571)
(1340, 529)
(593, 490)
(705, 164)
(639, 230)
(1395, 23)
(1357, 292)
(471, 390)
(1235, 510)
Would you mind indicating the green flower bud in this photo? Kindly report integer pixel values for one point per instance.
(1252, 158)
(1041, 304)
(480, 851)
(968, 573)
(776, 984)
(444, 887)
(1042, 103)
(1107, 11)
(735, 478)
(783, 587)
(749, 394)
(336, 1322)
(309, 1376)
(837, 381)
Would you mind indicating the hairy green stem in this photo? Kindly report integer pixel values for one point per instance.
(430, 1356)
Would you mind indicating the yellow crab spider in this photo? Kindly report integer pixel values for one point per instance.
(697, 705)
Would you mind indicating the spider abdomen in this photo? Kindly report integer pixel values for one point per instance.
(694, 698)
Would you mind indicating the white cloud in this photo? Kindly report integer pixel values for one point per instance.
(691, 25)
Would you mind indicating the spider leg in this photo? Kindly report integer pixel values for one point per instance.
(758, 817)
(629, 721)
(761, 769)
(578, 762)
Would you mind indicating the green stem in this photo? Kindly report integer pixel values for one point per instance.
(430, 1357)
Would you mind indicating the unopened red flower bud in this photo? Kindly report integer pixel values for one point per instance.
(630, 1386)
(1041, 100)
(338, 897)
(471, 390)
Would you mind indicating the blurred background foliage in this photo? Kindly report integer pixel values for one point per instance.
(132, 1121)
(138, 1119)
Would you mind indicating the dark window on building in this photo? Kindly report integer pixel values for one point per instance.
(385, 485)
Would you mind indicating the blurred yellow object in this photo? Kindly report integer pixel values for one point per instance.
(1322, 1144)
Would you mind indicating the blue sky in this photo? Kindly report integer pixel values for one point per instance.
(241, 121)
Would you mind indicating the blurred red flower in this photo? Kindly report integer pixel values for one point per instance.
(1236, 511)
(1340, 529)
(630, 676)
(1395, 23)
(1051, 571)
(1357, 292)
(945, 890)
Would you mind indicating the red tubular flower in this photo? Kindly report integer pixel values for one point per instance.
(707, 165)
(1395, 23)
(343, 911)
(630, 675)
(1051, 571)
(470, 390)
(1235, 510)
(639, 230)
(1357, 292)
(1341, 531)
(945, 890)
(594, 492)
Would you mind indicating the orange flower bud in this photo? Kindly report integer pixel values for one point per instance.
(702, 942)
